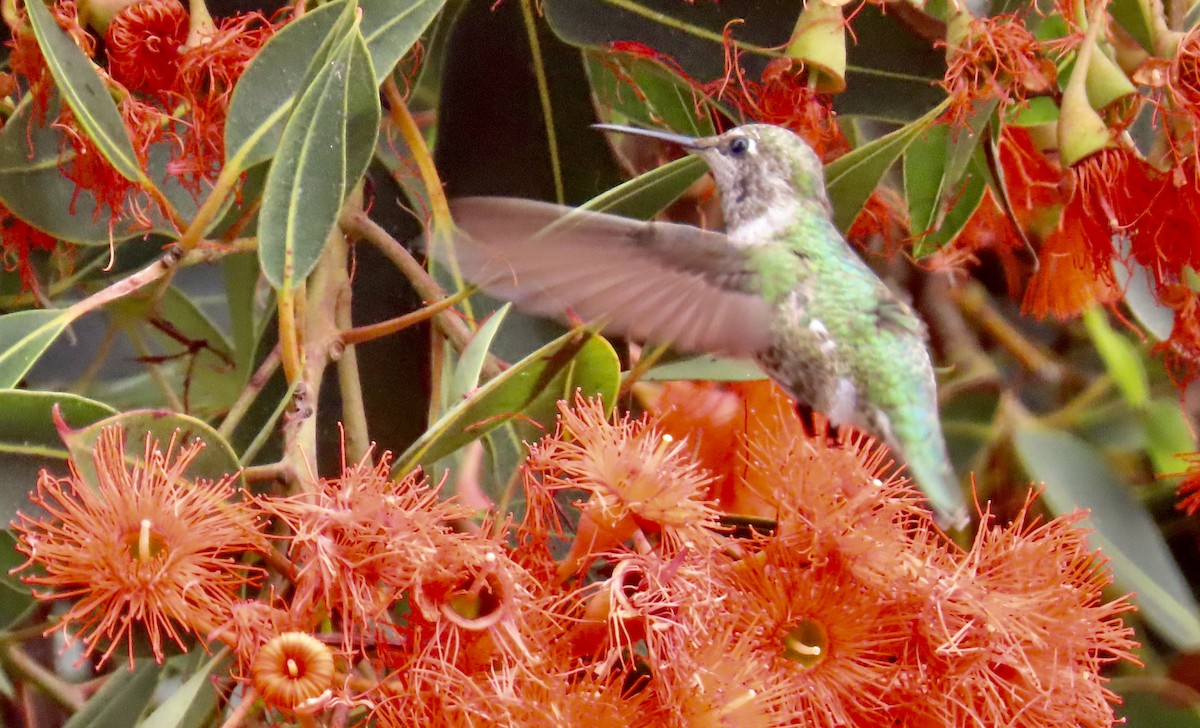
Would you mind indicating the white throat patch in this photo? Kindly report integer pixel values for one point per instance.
(773, 221)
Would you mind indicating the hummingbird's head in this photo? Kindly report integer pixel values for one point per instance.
(765, 173)
(768, 176)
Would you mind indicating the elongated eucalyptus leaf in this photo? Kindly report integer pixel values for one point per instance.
(33, 187)
(308, 180)
(30, 442)
(1168, 436)
(689, 33)
(24, 337)
(1076, 475)
(246, 314)
(649, 193)
(266, 92)
(190, 702)
(123, 697)
(15, 598)
(1121, 358)
(891, 72)
(942, 188)
(852, 177)
(704, 367)
(27, 429)
(85, 92)
(577, 359)
(647, 91)
(215, 461)
(1138, 283)
(470, 364)
(391, 27)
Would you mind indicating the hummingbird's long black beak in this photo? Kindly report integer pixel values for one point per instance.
(686, 142)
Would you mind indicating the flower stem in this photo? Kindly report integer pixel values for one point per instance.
(253, 388)
(403, 119)
(20, 666)
(383, 328)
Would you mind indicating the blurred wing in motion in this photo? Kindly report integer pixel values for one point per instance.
(650, 282)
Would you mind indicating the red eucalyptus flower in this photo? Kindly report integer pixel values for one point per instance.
(145, 43)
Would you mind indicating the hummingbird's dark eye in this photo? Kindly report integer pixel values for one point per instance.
(739, 146)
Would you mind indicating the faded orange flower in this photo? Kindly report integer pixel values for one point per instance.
(1017, 632)
(636, 477)
(998, 59)
(140, 549)
(820, 643)
(364, 542)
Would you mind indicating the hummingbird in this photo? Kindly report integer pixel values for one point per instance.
(780, 286)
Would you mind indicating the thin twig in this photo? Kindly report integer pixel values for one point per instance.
(973, 301)
(22, 667)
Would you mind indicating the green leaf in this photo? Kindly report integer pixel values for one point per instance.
(647, 91)
(1077, 474)
(649, 193)
(470, 364)
(852, 177)
(122, 698)
(1168, 435)
(527, 389)
(1121, 357)
(323, 152)
(1155, 702)
(939, 200)
(245, 314)
(1034, 112)
(24, 337)
(963, 146)
(689, 33)
(891, 72)
(704, 367)
(1135, 17)
(492, 98)
(191, 702)
(32, 154)
(263, 98)
(33, 187)
(1138, 284)
(215, 461)
(89, 99)
(391, 27)
(15, 597)
(30, 442)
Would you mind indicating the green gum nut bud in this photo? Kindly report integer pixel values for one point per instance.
(1081, 131)
(1106, 82)
(819, 41)
(958, 30)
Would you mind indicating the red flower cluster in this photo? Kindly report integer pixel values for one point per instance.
(998, 59)
(841, 604)
(173, 89)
